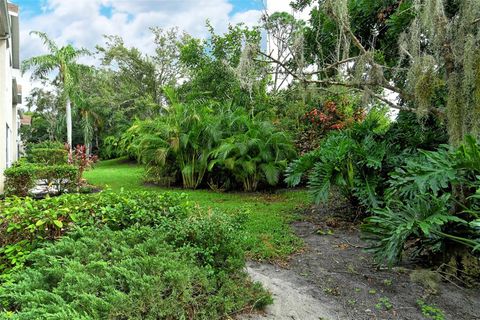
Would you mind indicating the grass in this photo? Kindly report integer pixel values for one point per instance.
(268, 235)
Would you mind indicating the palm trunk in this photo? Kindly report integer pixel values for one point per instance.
(69, 123)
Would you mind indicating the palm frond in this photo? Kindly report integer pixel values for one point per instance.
(50, 44)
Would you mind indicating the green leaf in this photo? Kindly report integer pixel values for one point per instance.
(58, 223)
(39, 223)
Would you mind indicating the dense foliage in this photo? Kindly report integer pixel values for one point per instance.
(26, 222)
(172, 260)
(207, 142)
(222, 113)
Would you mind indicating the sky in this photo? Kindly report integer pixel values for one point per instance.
(83, 23)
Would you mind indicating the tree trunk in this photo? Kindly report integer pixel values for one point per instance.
(69, 123)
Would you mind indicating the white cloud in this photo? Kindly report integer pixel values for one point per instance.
(82, 23)
(249, 18)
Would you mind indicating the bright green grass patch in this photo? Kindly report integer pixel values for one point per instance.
(267, 236)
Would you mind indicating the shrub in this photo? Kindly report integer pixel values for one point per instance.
(136, 273)
(81, 159)
(206, 143)
(110, 148)
(19, 179)
(48, 156)
(350, 160)
(259, 154)
(26, 223)
(46, 145)
(179, 141)
(421, 218)
(64, 177)
(431, 198)
(158, 258)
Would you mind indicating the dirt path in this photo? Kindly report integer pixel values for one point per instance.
(292, 296)
(334, 279)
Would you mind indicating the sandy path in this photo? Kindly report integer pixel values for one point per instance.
(291, 296)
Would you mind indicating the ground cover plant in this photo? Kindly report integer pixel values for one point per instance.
(27, 223)
(179, 263)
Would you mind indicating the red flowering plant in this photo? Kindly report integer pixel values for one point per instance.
(82, 159)
(328, 117)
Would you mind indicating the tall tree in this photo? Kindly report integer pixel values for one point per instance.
(62, 60)
(433, 69)
(47, 111)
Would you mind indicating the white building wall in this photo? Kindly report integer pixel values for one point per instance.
(5, 106)
(8, 112)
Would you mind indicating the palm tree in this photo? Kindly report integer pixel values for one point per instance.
(259, 153)
(62, 60)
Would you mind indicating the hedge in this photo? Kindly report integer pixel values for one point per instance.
(21, 178)
(48, 156)
(45, 145)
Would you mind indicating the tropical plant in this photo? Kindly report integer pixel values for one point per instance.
(64, 61)
(389, 228)
(258, 154)
(181, 139)
(439, 171)
(350, 160)
(423, 202)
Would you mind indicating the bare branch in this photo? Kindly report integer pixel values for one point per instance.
(333, 65)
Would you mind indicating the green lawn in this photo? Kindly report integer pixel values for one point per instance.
(267, 235)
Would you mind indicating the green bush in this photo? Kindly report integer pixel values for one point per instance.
(20, 178)
(207, 143)
(48, 156)
(432, 199)
(110, 148)
(259, 154)
(130, 274)
(26, 223)
(45, 145)
(165, 260)
(64, 177)
(351, 160)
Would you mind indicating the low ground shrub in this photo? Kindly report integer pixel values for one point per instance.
(26, 223)
(135, 255)
(138, 273)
